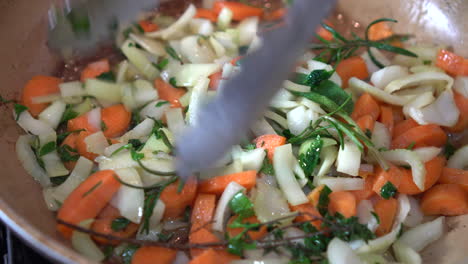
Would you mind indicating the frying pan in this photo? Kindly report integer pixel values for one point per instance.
(24, 53)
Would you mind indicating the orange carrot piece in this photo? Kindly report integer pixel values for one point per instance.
(314, 195)
(309, 213)
(87, 200)
(81, 122)
(403, 126)
(235, 60)
(169, 93)
(95, 69)
(421, 136)
(176, 202)
(215, 78)
(393, 175)
(212, 256)
(386, 210)
(207, 14)
(457, 176)
(70, 140)
(452, 63)
(239, 10)
(82, 147)
(445, 199)
(462, 104)
(116, 119)
(366, 105)
(201, 235)
(380, 31)
(269, 143)
(386, 117)
(203, 210)
(275, 15)
(366, 123)
(217, 184)
(342, 202)
(39, 86)
(148, 26)
(152, 254)
(103, 224)
(255, 235)
(398, 115)
(352, 67)
(434, 169)
(367, 192)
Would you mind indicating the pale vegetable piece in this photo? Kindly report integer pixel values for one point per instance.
(270, 204)
(201, 26)
(32, 125)
(342, 183)
(196, 50)
(422, 235)
(103, 91)
(365, 216)
(155, 109)
(152, 46)
(379, 56)
(283, 164)
(154, 145)
(418, 79)
(425, 68)
(408, 157)
(425, 52)
(155, 225)
(384, 96)
(190, 74)
(414, 105)
(253, 159)
(381, 137)
(199, 92)
(28, 160)
(383, 77)
(122, 71)
(96, 143)
(49, 200)
(177, 26)
(145, 92)
(291, 86)
(81, 171)
(139, 59)
(235, 167)
(406, 254)
(327, 156)
(262, 127)
(427, 153)
(373, 259)
(141, 131)
(219, 49)
(53, 113)
(83, 243)
(128, 200)
(72, 92)
(300, 118)
(175, 120)
(415, 215)
(127, 91)
(171, 69)
(443, 111)
(349, 159)
(461, 85)
(299, 173)
(224, 18)
(94, 118)
(49, 98)
(262, 260)
(222, 208)
(53, 165)
(339, 252)
(247, 30)
(277, 118)
(459, 159)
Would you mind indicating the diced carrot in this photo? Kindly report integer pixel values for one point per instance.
(215, 78)
(457, 176)
(366, 105)
(152, 254)
(176, 202)
(103, 225)
(255, 235)
(201, 235)
(275, 15)
(95, 69)
(366, 123)
(169, 93)
(380, 31)
(421, 136)
(148, 26)
(367, 192)
(207, 14)
(452, 63)
(393, 175)
(352, 67)
(309, 213)
(433, 171)
(235, 60)
(70, 140)
(116, 119)
(445, 199)
(386, 210)
(342, 202)
(87, 200)
(82, 147)
(403, 126)
(81, 122)
(217, 184)
(238, 9)
(212, 256)
(269, 143)
(314, 195)
(203, 210)
(398, 115)
(39, 86)
(462, 104)
(323, 33)
(386, 117)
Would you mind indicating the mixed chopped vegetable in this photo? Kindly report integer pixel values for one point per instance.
(354, 151)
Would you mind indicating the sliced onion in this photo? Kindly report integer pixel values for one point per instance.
(383, 77)
(219, 49)
(153, 110)
(122, 71)
(381, 136)
(177, 26)
(224, 18)
(300, 118)
(45, 98)
(339, 252)
(253, 159)
(32, 125)
(52, 115)
(96, 143)
(53, 165)
(201, 26)
(270, 204)
(83, 243)
(128, 200)
(104, 91)
(174, 224)
(94, 118)
(222, 208)
(365, 216)
(72, 89)
(295, 87)
(145, 92)
(461, 85)
(422, 235)
(418, 79)
(277, 118)
(175, 120)
(459, 159)
(152, 46)
(427, 153)
(362, 86)
(408, 157)
(49, 200)
(264, 260)
(262, 127)
(406, 254)
(415, 103)
(247, 30)
(81, 171)
(235, 167)
(415, 215)
(371, 67)
(443, 111)
(425, 68)
(189, 74)
(342, 183)
(199, 92)
(141, 131)
(192, 48)
(112, 148)
(327, 156)
(349, 159)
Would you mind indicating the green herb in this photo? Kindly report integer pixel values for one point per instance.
(107, 76)
(173, 81)
(347, 229)
(309, 155)
(161, 103)
(126, 32)
(411, 146)
(383, 149)
(243, 50)
(171, 51)
(427, 62)
(58, 180)
(324, 199)
(376, 216)
(19, 108)
(238, 244)
(119, 224)
(449, 150)
(135, 155)
(160, 134)
(341, 48)
(250, 146)
(267, 167)
(151, 198)
(47, 148)
(139, 28)
(187, 214)
(67, 153)
(162, 64)
(68, 114)
(103, 126)
(136, 143)
(92, 189)
(128, 252)
(79, 21)
(336, 94)
(368, 133)
(314, 78)
(388, 190)
(5, 101)
(241, 205)
(108, 251)
(165, 237)
(404, 166)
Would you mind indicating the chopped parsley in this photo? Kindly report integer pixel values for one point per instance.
(47, 148)
(162, 64)
(449, 150)
(19, 108)
(107, 76)
(68, 114)
(171, 51)
(267, 167)
(119, 224)
(310, 155)
(376, 216)
(103, 126)
(128, 252)
(324, 199)
(161, 103)
(411, 146)
(67, 153)
(388, 190)
(173, 82)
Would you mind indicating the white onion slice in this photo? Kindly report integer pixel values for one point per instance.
(81, 171)
(53, 113)
(339, 252)
(408, 157)
(418, 79)
(342, 183)
(427, 153)
(362, 86)
(415, 215)
(45, 98)
(154, 109)
(443, 111)
(83, 243)
(32, 125)
(383, 77)
(406, 254)
(269, 203)
(247, 30)
(222, 208)
(177, 26)
(459, 159)
(96, 143)
(461, 85)
(381, 136)
(175, 120)
(422, 235)
(128, 200)
(94, 118)
(349, 159)
(141, 131)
